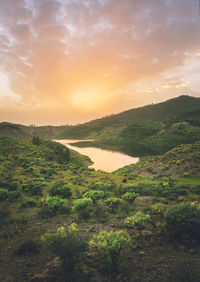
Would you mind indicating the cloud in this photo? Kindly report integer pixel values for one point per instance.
(51, 49)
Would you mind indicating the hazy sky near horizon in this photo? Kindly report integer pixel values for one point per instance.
(69, 61)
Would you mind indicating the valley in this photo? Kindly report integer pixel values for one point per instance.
(53, 204)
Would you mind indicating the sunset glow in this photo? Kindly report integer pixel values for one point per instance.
(70, 61)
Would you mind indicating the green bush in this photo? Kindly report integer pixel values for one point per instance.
(129, 197)
(83, 207)
(68, 245)
(81, 204)
(107, 248)
(113, 203)
(95, 195)
(60, 189)
(52, 205)
(138, 220)
(158, 209)
(183, 222)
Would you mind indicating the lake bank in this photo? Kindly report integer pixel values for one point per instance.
(102, 159)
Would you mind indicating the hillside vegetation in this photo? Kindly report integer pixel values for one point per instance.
(62, 221)
(149, 130)
(181, 161)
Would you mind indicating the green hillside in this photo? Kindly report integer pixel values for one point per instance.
(62, 221)
(179, 162)
(161, 112)
(8, 129)
(149, 130)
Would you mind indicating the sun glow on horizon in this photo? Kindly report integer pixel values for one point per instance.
(88, 99)
(72, 61)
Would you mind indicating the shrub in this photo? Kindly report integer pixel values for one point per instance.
(60, 189)
(138, 220)
(68, 245)
(107, 248)
(83, 207)
(95, 195)
(113, 203)
(129, 197)
(53, 205)
(158, 209)
(183, 222)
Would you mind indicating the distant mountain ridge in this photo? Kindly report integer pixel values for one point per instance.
(168, 110)
(149, 130)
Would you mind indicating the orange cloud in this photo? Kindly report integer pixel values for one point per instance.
(82, 59)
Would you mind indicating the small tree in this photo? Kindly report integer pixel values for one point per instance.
(83, 207)
(130, 197)
(95, 195)
(113, 203)
(138, 220)
(68, 245)
(52, 205)
(107, 248)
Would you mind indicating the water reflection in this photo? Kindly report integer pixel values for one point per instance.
(103, 159)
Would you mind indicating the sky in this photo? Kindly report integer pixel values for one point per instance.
(70, 61)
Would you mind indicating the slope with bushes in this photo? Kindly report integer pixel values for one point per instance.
(179, 162)
(62, 221)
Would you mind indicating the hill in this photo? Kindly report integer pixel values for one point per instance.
(52, 205)
(165, 111)
(178, 162)
(8, 129)
(149, 130)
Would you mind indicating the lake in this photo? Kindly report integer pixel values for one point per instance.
(105, 160)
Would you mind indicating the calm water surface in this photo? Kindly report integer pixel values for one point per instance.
(103, 159)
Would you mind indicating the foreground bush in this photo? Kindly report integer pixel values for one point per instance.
(107, 249)
(67, 244)
(183, 222)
